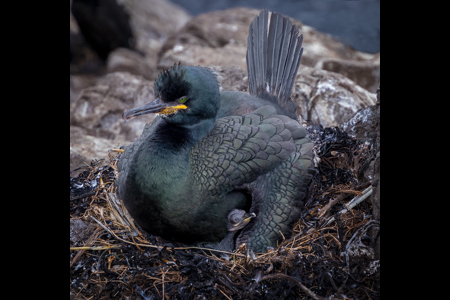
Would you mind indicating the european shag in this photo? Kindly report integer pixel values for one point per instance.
(211, 154)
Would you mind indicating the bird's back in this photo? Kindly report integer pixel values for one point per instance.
(235, 103)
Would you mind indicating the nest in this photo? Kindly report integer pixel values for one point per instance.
(329, 254)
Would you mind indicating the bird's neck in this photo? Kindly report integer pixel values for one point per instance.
(178, 139)
(164, 156)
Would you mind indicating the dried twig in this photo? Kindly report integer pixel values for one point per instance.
(93, 249)
(89, 242)
(119, 212)
(330, 204)
(125, 241)
(355, 201)
(223, 293)
(160, 247)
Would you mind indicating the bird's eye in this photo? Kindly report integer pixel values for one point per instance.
(182, 99)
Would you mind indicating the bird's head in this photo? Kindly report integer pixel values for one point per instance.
(185, 95)
(238, 219)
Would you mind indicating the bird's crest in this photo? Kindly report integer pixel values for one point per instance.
(171, 83)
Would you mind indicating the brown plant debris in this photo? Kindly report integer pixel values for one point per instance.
(112, 258)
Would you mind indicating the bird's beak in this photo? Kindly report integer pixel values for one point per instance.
(243, 223)
(156, 106)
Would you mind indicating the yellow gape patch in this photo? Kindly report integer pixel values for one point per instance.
(172, 109)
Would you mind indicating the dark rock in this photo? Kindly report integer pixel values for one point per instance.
(104, 25)
(83, 58)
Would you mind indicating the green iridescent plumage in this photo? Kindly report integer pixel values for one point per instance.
(226, 151)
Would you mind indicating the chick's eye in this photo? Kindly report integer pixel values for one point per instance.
(182, 99)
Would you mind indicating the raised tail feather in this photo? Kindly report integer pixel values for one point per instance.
(273, 58)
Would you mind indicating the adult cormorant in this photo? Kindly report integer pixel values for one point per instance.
(209, 153)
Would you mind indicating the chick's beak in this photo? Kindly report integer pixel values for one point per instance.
(156, 106)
